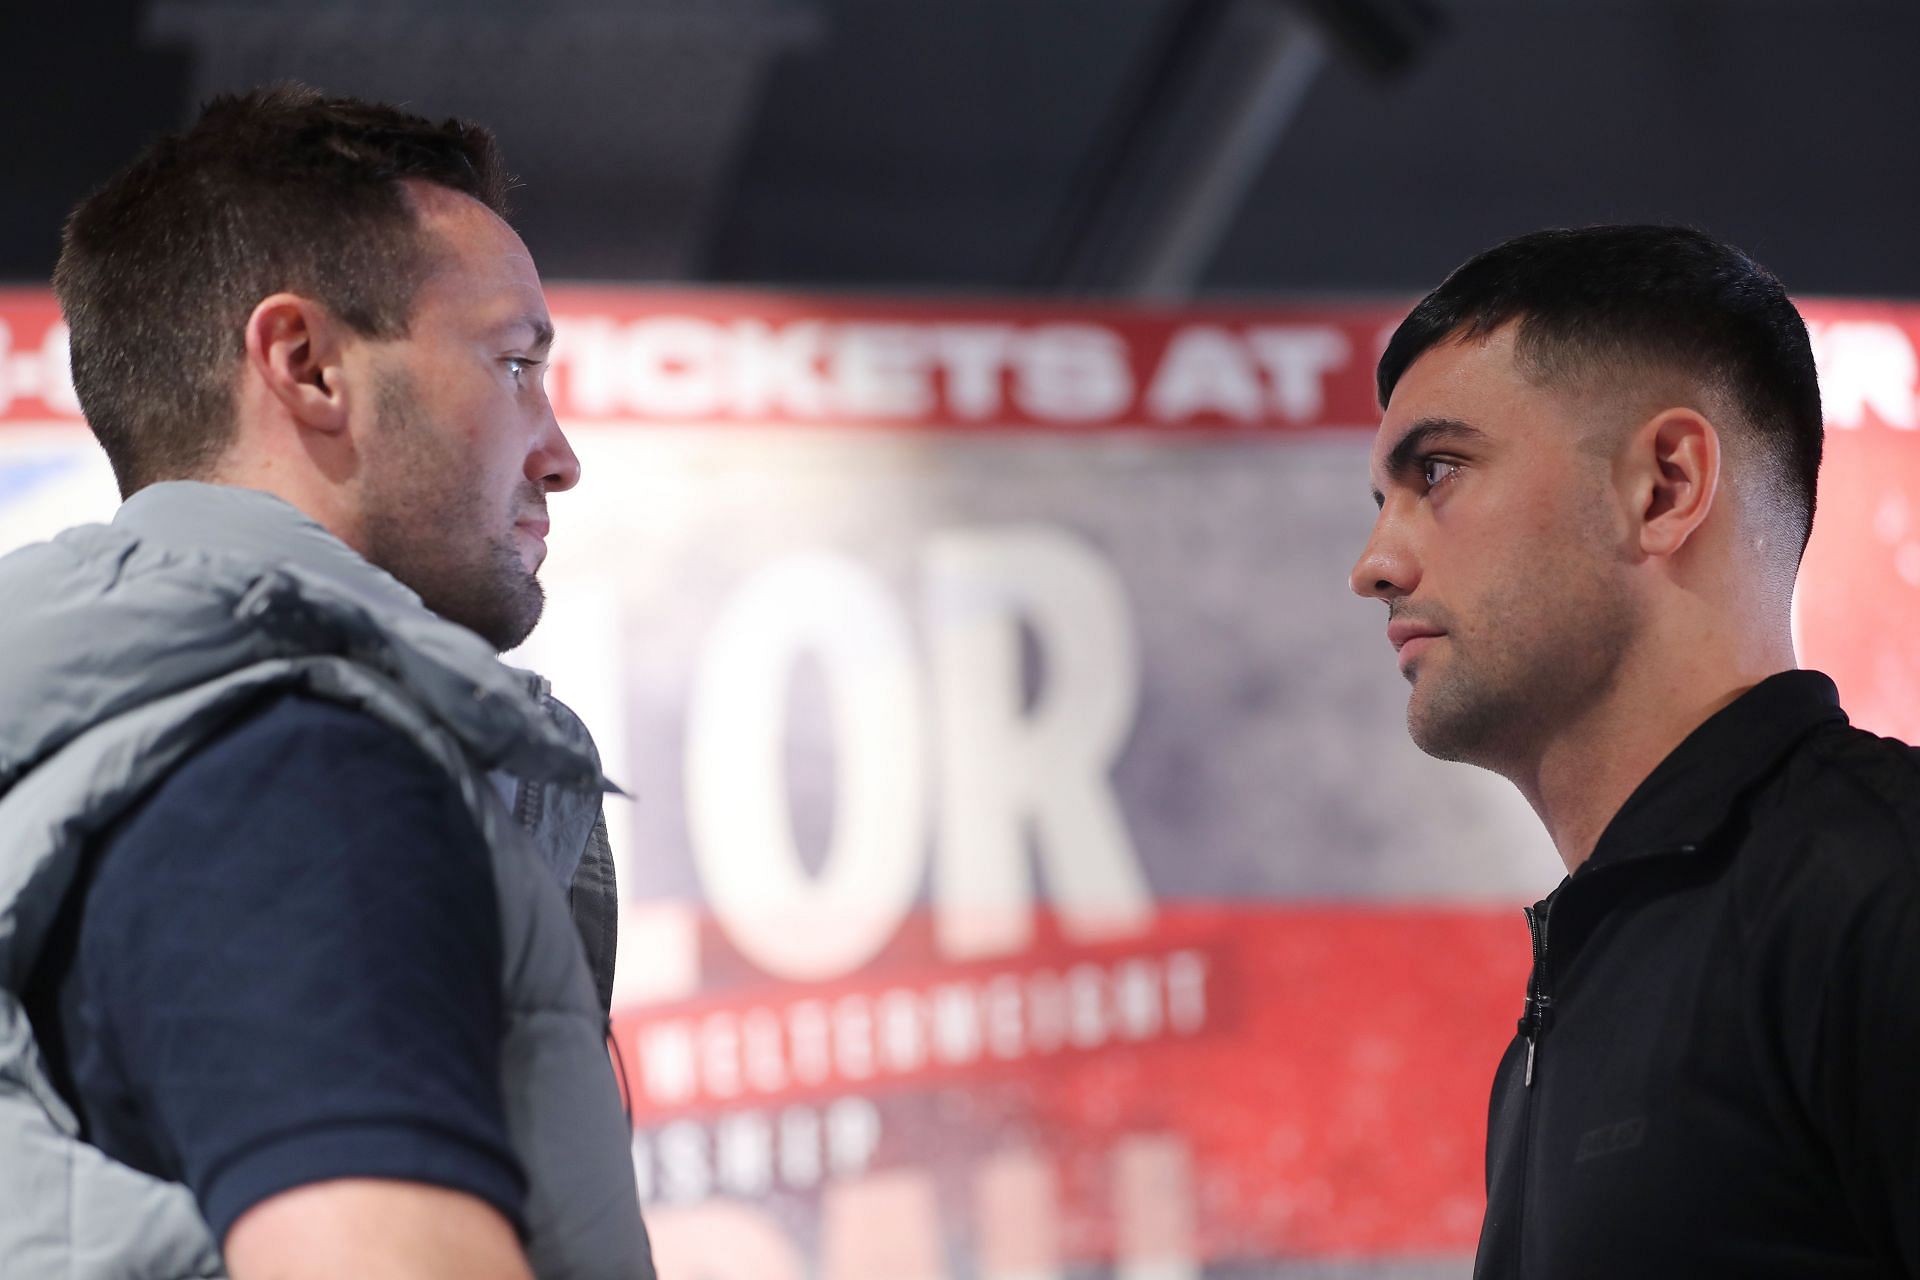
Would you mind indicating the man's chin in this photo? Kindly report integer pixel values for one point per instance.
(517, 623)
(503, 616)
(1440, 726)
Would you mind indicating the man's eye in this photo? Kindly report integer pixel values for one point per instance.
(517, 366)
(1434, 470)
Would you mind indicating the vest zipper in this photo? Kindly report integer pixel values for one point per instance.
(1539, 1014)
(528, 803)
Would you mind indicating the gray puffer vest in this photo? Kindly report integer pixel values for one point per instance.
(123, 647)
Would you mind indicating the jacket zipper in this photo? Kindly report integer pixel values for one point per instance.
(1538, 1017)
(1533, 1023)
(1539, 1014)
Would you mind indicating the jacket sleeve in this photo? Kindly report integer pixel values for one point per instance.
(1861, 1078)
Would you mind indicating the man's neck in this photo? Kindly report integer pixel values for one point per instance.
(1586, 772)
(327, 501)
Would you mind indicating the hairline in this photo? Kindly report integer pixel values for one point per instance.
(1616, 369)
(1610, 369)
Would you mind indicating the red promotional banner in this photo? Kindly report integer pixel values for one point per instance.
(1317, 1064)
(764, 359)
(1030, 876)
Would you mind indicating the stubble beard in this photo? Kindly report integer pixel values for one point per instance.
(425, 524)
(1529, 668)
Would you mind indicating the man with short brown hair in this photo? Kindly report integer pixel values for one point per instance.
(305, 896)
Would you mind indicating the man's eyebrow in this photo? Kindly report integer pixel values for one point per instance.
(1420, 437)
(539, 326)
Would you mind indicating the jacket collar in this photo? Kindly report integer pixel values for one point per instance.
(193, 581)
(188, 516)
(1690, 794)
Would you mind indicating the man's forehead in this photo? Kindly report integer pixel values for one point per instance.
(1461, 393)
(458, 222)
(1414, 398)
(478, 260)
(1459, 379)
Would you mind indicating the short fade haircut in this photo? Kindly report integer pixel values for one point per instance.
(1647, 297)
(280, 188)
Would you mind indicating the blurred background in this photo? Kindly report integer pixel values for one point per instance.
(1028, 876)
(1109, 146)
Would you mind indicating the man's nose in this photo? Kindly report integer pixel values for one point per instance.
(1385, 569)
(552, 464)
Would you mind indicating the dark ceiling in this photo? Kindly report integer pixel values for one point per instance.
(1145, 147)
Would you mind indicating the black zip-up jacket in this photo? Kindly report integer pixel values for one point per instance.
(1718, 1073)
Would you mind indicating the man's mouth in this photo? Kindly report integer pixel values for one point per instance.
(1403, 632)
(535, 527)
(1410, 639)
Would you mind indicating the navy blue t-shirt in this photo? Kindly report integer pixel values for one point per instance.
(284, 967)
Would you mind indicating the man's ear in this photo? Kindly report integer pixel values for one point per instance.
(295, 347)
(1672, 473)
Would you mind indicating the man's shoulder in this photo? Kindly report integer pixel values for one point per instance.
(294, 741)
(1845, 779)
(1838, 826)
(295, 717)
(293, 777)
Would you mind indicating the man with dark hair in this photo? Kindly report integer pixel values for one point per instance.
(1595, 477)
(306, 907)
